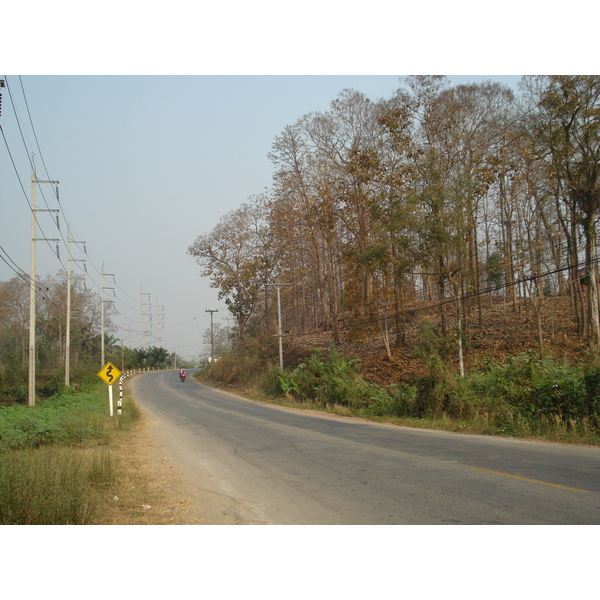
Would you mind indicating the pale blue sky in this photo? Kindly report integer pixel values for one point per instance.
(146, 164)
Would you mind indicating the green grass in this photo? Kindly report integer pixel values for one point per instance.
(55, 458)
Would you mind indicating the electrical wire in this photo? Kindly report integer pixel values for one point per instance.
(30, 159)
(60, 210)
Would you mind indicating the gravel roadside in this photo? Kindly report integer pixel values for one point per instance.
(153, 489)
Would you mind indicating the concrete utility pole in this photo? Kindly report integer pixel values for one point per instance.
(212, 334)
(278, 286)
(33, 282)
(144, 329)
(68, 328)
(102, 363)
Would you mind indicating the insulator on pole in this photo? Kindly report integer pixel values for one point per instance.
(57, 251)
(57, 194)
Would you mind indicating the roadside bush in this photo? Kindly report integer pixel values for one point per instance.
(431, 342)
(334, 381)
(591, 382)
(49, 384)
(247, 361)
(530, 389)
(515, 395)
(13, 384)
(436, 391)
(344, 391)
(64, 418)
(403, 399)
(328, 381)
(394, 401)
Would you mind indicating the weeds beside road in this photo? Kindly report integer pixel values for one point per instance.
(526, 396)
(66, 462)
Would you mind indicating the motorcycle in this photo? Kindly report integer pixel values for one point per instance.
(182, 377)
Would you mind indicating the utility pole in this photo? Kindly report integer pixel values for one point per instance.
(228, 340)
(68, 328)
(212, 334)
(102, 317)
(33, 282)
(144, 330)
(159, 316)
(278, 286)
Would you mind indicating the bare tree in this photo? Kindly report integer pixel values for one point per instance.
(236, 257)
(568, 126)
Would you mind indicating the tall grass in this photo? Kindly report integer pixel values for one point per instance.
(55, 458)
(46, 486)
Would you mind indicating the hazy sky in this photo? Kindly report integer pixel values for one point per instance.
(146, 164)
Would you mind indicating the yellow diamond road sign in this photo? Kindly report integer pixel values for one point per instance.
(109, 373)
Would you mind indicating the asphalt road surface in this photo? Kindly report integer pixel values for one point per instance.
(284, 466)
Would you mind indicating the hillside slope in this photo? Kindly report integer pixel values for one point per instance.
(502, 331)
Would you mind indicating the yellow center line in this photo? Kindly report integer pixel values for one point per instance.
(556, 485)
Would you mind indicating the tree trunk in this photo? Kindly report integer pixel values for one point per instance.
(385, 336)
(540, 330)
(459, 335)
(592, 281)
(399, 317)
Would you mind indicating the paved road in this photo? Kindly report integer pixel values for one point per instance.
(294, 467)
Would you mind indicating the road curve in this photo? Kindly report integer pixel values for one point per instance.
(292, 467)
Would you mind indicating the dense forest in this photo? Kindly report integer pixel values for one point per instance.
(447, 198)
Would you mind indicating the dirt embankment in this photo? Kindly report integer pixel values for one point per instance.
(151, 489)
(494, 328)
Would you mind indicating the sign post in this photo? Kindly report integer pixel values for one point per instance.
(109, 374)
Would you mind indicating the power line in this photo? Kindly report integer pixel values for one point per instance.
(462, 297)
(33, 128)
(60, 207)
(31, 162)
(15, 267)
(21, 182)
